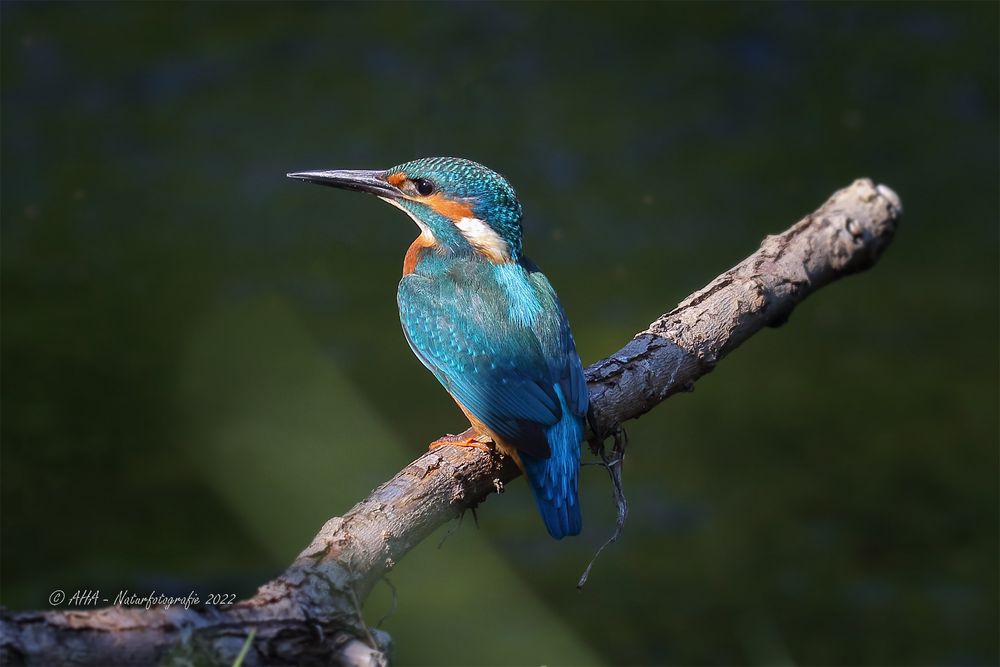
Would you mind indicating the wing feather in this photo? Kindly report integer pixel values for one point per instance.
(493, 366)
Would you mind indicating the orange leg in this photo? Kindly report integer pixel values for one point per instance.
(467, 438)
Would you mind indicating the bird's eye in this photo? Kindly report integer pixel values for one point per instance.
(423, 186)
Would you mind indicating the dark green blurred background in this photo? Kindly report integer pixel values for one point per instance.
(202, 359)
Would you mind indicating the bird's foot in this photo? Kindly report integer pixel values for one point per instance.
(467, 438)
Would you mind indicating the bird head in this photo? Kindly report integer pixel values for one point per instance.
(459, 205)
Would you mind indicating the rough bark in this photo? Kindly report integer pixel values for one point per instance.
(311, 613)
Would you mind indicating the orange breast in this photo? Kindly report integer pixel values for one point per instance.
(419, 244)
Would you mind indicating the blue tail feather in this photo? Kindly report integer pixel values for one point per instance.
(554, 480)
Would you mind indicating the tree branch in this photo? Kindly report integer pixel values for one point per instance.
(311, 613)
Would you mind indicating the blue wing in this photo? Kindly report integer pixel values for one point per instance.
(554, 480)
(498, 357)
(557, 343)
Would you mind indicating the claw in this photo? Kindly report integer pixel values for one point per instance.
(467, 438)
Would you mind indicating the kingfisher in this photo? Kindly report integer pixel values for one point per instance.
(485, 320)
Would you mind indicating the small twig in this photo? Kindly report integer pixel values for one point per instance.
(361, 619)
(613, 464)
(453, 527)
(392, 609)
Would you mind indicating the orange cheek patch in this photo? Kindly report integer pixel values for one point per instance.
(449, 208)
(453, 209)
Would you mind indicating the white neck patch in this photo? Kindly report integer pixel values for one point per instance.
(483, 238)
(425, 231)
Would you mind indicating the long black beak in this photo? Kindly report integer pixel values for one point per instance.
(360, 180)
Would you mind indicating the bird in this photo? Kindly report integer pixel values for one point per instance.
(486, 322)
